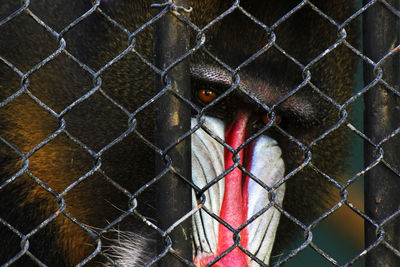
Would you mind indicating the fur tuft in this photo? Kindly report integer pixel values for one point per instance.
(130, 249)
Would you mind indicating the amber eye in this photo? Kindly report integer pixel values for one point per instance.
(266, 119)
(206, 95)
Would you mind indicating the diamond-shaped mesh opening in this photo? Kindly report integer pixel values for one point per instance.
(23, 48)
(60, 90)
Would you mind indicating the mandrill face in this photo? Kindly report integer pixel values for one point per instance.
(240, 172)
(239, 168)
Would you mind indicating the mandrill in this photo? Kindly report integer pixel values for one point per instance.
(268, 145)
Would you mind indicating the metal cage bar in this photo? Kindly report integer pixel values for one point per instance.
(381, 116)
(171, 41)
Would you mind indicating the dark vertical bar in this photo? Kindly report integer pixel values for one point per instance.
(382, 116)
(171, 41)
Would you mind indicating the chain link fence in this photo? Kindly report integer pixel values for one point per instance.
(96, 101)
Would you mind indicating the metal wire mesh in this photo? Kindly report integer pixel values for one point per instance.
(78, 113)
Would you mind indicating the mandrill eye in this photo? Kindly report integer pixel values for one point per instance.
(206, 95)
(265, 118)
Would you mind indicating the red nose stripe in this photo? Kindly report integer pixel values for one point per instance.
(234, 204)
